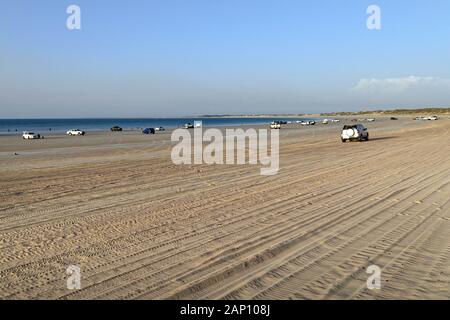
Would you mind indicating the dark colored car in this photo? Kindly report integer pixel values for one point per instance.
(116, 128)
(148, 131)
(394, 118)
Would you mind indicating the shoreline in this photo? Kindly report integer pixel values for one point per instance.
(318, 118)
(260, 121)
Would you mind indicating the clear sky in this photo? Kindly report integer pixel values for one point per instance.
(190, 57)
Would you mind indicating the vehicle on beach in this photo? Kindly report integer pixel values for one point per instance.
(432, 118)
(116, 128)
(160, 129)
(275, 125)
(370, 120)
(308, 123)
(394, 118)
(188, 126)
(75, 132)
(355, 132)
(31, 135)
(148, 131)
(327, 121)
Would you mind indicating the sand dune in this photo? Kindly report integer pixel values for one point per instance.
(141, 227)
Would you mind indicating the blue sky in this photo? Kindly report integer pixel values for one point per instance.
(191, 57)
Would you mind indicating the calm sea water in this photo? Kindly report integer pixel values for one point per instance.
(12, 126)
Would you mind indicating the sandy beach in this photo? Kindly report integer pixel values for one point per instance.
(141, 227)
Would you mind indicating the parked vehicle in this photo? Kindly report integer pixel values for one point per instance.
(31, 135)
(188, 126)
(335, 120)
(370, 120)
(394, 118)
(75, 132)
(308, 123)
(432, 118)
(325, 121)
(116, 128)
(160, 129)
(354, 132)
(275, 125)
(148, 131)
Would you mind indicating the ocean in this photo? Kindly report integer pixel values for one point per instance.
(13, 126)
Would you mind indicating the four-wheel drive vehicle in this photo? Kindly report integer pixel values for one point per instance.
(432, 118)
(275, 125)
(188, 126)
(354, 132)
(148, 131)
(160, 129)
(308, 123)
(116, 128)
(280, 122)
(31, 135)
(75, 132)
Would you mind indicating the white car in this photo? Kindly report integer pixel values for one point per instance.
(370, 120)
(336, 120)
(31, 135)
(275, 125)
(159, 129)
(308, 123)
(75, 132)
(354, 132)
(325, 121)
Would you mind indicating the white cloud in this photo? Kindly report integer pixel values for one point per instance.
(397, 85)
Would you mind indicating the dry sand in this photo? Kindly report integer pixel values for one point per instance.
(142, 228)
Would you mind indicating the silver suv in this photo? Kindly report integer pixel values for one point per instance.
(354, 132)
